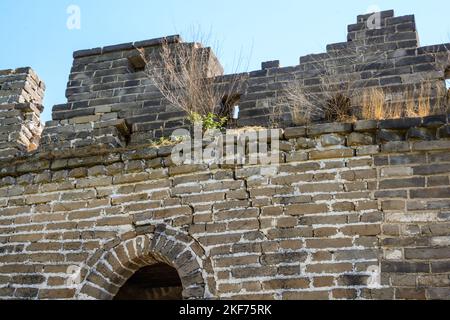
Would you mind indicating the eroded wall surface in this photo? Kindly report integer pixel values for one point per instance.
(356, 210)
(348, 213)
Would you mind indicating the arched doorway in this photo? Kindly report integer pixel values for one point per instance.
(138, 258)
(156, 282)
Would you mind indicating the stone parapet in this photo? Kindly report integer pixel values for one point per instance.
(21, 94)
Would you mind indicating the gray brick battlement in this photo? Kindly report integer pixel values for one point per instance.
(356, 209)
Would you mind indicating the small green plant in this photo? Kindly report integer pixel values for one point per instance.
(209, 121)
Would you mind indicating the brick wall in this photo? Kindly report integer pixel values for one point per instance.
(353, 211)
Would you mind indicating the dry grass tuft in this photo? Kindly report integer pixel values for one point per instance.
(378, 105)
(339, 108)
(246, 129)
(305, 107)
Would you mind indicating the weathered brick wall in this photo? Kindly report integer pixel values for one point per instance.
(346, 201)
(352, 211)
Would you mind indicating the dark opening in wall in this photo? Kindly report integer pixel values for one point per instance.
(447, 78)
(229, 102)
(136, 63)
(156, 282)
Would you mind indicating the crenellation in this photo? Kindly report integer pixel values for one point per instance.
(388, 56)
(270, 64)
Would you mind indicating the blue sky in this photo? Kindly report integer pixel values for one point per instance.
(34, 33)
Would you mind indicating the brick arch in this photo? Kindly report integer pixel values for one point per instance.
(115, 266)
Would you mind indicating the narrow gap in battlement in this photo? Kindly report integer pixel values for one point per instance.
(137, 63)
